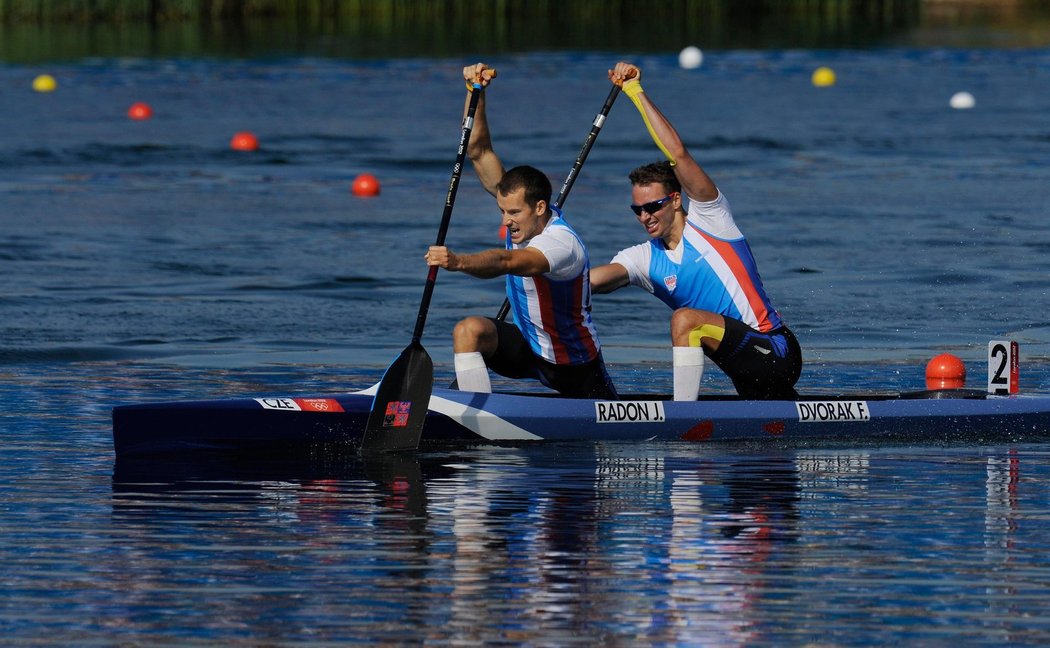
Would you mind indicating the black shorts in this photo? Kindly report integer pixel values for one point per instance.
(761, 365)
(514, 359)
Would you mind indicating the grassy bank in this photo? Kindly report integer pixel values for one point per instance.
(431, 10)
(50, 30)
(39, 30)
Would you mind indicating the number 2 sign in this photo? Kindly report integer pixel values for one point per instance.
(1003, 367)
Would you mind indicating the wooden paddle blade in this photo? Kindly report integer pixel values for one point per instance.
(399, 410)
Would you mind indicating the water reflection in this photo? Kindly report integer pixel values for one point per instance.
(620, 540)
(534, 541)
(296, 548)
(1003, 501)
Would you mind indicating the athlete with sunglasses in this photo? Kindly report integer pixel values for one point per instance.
(699, 263)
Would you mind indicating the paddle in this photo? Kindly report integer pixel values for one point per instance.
(596, 127)
(395, 422)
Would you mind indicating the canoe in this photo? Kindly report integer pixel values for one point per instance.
(313, 423)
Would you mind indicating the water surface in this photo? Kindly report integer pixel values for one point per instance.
(147, 261)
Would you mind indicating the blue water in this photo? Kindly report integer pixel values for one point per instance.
(146, 261)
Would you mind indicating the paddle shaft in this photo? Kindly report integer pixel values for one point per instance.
(446, 215)
(399, 409)
(566, 186)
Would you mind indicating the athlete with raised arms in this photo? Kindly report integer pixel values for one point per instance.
(699, 263)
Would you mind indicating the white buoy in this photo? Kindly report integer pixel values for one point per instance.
(962, 101)
(690, 58)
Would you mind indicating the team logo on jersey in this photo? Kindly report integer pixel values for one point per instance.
(671, 282)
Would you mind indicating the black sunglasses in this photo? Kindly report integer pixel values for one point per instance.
(651, 207)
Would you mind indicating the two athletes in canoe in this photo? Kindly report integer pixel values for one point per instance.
(696, 260)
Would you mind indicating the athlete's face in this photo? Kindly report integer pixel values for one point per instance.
(656, 217)
(522, 221)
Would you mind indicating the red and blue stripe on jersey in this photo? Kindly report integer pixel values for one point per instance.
(555, 316)
(717, 275)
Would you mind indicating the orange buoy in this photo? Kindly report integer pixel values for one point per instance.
(244, 141)
(140, 111)
(945, 371)
(365, 185)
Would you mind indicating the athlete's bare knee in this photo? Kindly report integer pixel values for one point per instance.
(473, 334)
(684, 320)
(692, 327)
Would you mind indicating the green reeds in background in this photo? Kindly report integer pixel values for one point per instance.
(440, 10)
(49, 30)
(88, 10)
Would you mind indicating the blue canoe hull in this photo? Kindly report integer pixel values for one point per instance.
(324, 422)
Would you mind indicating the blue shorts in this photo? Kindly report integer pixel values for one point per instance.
(761, 365)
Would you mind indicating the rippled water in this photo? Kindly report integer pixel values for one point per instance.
(147, 261)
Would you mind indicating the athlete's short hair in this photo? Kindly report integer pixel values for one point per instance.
(536, 185)
(661, 172)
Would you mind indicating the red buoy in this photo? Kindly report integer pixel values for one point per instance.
(365, 185)
(244, 141)
(945, 371)
(140, 111)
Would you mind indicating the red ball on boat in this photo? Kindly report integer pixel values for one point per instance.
(365, 185)
(945, 371)
(140, 111)
(244, 141)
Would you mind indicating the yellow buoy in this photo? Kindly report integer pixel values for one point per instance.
(44, 83)
(823, 77)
